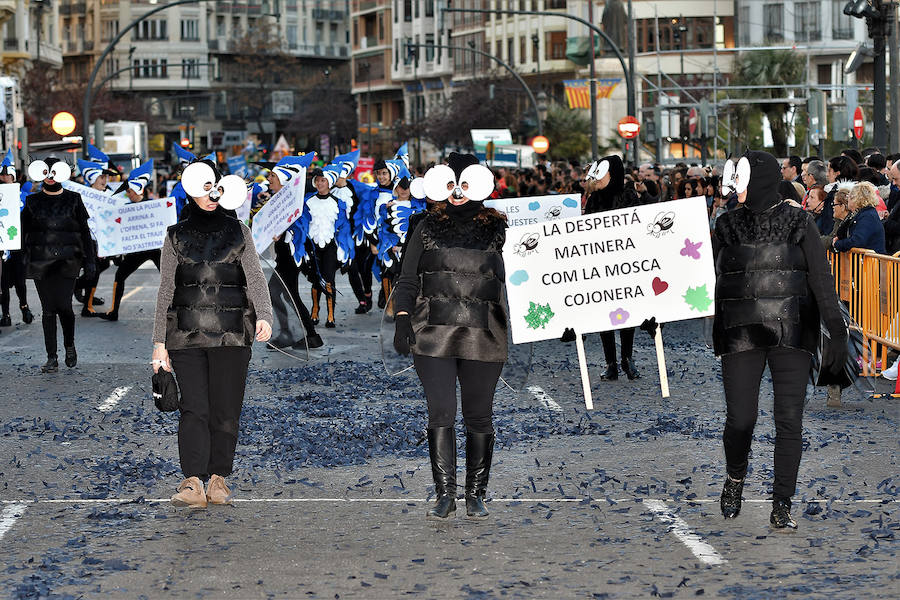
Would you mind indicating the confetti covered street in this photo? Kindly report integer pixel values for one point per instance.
(332, 481)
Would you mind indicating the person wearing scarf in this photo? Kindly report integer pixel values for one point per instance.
(213, 301)
(773, 286)
(451, 315)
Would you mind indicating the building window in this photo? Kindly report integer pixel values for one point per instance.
(190, 68)
(418, 3)
(744, 31)
(320, 26)
(380, 27)
(555, 4)
(841, 24)
(555, 45)
(190, 29)
(429, 8)
(396, 11)
(407, 10)
(807, 21)
(151, 68)
(152, 29)
(429, 47)
(112, 67)
(291, 33)
(510, 53)
(522, 50)
(109, 29)
(773, 22)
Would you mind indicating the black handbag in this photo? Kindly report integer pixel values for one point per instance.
(165, 391)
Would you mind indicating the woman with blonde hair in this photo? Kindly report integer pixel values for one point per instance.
(864, 229)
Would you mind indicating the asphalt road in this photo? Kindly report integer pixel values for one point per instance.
(332, 481)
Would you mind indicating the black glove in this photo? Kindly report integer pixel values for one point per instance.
(834, 355)
(568, 335)
(404, 336)
(650, 325)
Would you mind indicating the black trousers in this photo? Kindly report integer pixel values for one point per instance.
(360, 273)
(13, 276)
(55, 293)
(327, 262)
(289, 272)
(626, 337)
(741, 374)
(212, 382)
(477, 382)
(131, 262)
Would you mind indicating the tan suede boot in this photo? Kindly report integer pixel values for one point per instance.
(190, 494)
(217, 492)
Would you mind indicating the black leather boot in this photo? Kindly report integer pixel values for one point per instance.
(442, 449)
(730, 501)
(781, 519)
(27, 316)
(479, 453)
(611, 373)
(71, 356)
(113, 314)
(51, 366)
(629, 369)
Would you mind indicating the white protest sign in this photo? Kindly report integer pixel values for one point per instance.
(536, 209)
(10, 217)
(243, 211)
(282, 209)
(610, 270)
(142, 225)
(101, 207)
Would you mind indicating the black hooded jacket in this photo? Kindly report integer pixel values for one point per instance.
(614, 195)
(772, 279)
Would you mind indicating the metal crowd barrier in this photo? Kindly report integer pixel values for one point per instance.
(869, 284)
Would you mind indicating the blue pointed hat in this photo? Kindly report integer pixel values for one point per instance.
(138, 178)
(185, 157)
(289, 167)
(346, 163)
(97, 156)
(397, 169)
(90, 170)
(8, 166)
(403, 154)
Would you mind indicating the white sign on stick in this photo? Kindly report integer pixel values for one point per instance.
(536, 209)
(610, 270)
(282, 209)
(10, 217)
(142, 225)
(101, 207)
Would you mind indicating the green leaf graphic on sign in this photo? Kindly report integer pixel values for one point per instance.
(697, 298)
(11, 231)
(538, 315)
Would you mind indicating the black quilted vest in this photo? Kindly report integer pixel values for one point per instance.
(53, 241)
(763, 299)
(210, 306)
(461, 311)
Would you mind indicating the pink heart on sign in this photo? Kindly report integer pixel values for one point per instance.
(659, 286)
(118, 219)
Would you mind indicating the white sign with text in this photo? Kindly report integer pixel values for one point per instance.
(282, 209)
(610, 270)
(10, 217)
(536, 209)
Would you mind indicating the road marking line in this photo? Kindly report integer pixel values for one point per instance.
(131, 293)
(678, 527)
(113, 399)
(543, 399)
(419, 500)
(10, 515)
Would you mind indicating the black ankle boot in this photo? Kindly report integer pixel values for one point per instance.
(51, 366)
(629, 369)
(730, 501)
(781, 519)
(27, 316)
(479, 454)
(361, 309)
(5, 321)
(442, 449)
(71, 356)
(611, 373)
(314, 340)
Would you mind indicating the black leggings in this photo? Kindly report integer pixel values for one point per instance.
(212, 382)
(55, 293)
(13, 276)
(741, 374)
(360, 273)
(327, 262)
(477, 382)
(131, 262)
(626, 337)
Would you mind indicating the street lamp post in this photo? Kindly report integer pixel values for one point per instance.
(629, 79)
(364, 65)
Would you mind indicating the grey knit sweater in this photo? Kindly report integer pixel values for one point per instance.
(257, 289)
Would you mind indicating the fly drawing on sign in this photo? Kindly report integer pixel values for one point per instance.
(661, 224)
(527, 245)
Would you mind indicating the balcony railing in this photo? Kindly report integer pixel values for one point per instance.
(321, 14)
(11, 44)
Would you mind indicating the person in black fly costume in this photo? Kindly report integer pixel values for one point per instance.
(773, 286)
(609, 194)
(213, 301)
(451, 314)
(57, 244)
(13, 267)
